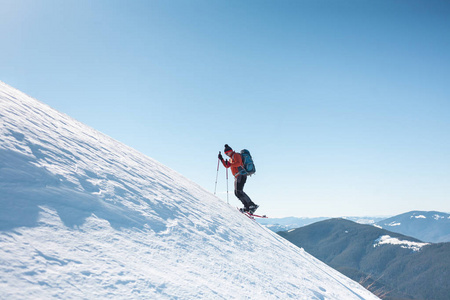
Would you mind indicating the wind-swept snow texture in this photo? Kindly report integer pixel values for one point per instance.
(83, 216)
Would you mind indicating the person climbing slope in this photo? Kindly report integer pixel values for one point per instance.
(236, 166)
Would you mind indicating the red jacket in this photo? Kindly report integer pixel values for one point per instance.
(234, 163)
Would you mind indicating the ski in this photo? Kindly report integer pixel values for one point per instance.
(251, 216)
(258, 216)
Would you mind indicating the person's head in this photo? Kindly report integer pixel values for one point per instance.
(228, 151)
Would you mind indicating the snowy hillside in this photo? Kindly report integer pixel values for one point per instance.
(83, 216)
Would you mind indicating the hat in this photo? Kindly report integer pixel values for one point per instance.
(227, 148)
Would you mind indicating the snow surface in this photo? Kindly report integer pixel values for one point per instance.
(386, 239)
(419, 217)
(438, 217)
(86, 217)
(394, 224)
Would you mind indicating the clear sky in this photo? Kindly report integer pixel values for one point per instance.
(344, 105)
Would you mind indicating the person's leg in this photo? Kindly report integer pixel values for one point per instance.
(239, 191)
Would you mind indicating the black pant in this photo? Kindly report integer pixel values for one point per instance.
(239, 183)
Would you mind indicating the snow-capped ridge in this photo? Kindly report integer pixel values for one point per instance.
(428, 226)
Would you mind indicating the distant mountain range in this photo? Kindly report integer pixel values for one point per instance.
(283, 224)
(389, 264)
(429, 226)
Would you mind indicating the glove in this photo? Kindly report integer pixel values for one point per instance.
(220, 156)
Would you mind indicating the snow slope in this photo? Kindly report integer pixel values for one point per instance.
(83, 216)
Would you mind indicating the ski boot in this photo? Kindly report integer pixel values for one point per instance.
(252, 209)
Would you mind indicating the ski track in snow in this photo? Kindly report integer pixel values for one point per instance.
(86, 217)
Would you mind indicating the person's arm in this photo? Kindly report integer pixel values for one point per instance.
(225, 163)
(237, 163)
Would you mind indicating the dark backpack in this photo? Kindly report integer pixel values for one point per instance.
(247, 162)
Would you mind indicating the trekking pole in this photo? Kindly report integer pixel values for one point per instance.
(217, 175)
(228, 202)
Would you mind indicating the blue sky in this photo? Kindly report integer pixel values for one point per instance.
(345, 105)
